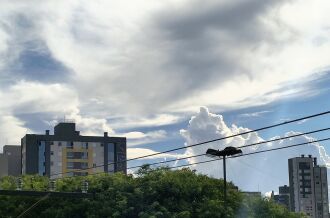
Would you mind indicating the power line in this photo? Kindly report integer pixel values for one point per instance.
(257, 152)
(207, 161)
(198, 155)
(289, 146)
(268, 174)
(33, 205)
(244, 146)
(205, 142)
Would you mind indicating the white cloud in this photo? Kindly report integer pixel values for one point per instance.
(32, 97)
(139, 61)
(92, 125)
(265, 171)
(269, 194)
(113, 45)
(255, 114)
(135, 135)
(148, 121)
(303, 121)
(138, 152)
(11, 131)
(139, 138)
(3, 46)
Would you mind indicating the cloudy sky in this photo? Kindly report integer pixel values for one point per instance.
(166, 73)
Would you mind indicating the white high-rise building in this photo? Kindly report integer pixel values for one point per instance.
(308, 187)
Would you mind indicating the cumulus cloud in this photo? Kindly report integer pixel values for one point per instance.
(265, 171)
(148, 61)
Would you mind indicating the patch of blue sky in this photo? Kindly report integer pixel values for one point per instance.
(275, 112)
(36, 63)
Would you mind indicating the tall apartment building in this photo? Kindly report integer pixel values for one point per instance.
(67, 153)
(308, 187)
(10, 161)
(283, 196)
(321, 191)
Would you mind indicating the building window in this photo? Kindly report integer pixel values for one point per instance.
(84, 165)
(41, 158)
(69, 145)
(111, 157)
(70, 165)
(84, 155)
(70, 155)
(51, 152)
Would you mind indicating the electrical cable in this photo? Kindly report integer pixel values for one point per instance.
(244, 146)
(257, 152)
(207, 161)
(205, 142)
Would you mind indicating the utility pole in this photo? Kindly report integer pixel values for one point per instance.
(224, 183)
(228, 151)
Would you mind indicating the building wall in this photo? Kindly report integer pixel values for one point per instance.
(283, 197)
(10, 161)
(308, 187)
(69, 153)
(30, 152)
(13, 152)
(321, 192)
(302, 183)
(98, 156)
(3, 165)
(56, 162)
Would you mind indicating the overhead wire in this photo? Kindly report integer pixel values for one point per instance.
(201, 143)
(262, 151)
(244, 146)
(251, 153)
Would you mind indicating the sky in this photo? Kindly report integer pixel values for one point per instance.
(171, 73)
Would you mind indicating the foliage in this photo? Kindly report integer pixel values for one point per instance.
(158, 193)
(263, 207)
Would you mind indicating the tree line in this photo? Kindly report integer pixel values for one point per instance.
(152, 193)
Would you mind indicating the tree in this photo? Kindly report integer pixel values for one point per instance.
(158, 193)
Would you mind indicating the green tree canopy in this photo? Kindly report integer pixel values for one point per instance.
(152, 193)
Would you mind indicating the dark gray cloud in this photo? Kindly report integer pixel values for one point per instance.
(208, 38)
(201, 46)
(38, 65)
(28, 57)
(200, 17)
(37, 122)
